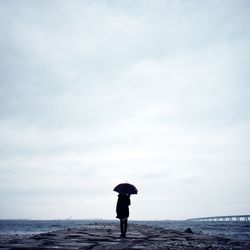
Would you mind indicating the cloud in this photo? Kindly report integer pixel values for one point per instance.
(93, 94)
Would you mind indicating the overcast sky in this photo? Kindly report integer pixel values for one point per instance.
(94, 93)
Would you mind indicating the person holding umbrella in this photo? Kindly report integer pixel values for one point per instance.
(122, 211)
(123, 203)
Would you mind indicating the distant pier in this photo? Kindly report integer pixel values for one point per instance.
(223, 218)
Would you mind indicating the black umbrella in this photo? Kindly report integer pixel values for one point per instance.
(126, 188)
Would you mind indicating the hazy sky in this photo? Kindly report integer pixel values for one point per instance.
(94, 93)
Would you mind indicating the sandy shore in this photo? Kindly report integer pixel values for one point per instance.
(107, 236)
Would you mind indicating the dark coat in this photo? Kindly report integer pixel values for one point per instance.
(122, 209)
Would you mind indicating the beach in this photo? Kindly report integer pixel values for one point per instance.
(99, 236)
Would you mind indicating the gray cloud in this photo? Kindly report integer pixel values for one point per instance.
(96, 93)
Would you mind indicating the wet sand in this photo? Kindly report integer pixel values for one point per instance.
(107, 236)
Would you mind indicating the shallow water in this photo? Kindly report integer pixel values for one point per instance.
(238, 230)
(25, 228)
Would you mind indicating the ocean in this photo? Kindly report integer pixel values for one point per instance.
(237, 230)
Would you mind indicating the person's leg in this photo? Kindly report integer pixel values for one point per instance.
(125, 226)
(121, 226)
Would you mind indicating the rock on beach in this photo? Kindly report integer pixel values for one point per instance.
(107, 236)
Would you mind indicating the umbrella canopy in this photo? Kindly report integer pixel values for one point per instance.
(126, 188)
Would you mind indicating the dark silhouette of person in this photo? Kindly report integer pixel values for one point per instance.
(122, 211)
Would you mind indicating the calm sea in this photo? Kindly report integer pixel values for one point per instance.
(19, 228)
